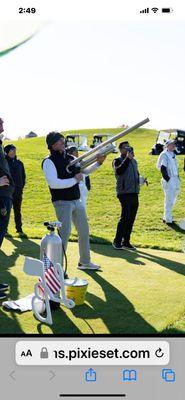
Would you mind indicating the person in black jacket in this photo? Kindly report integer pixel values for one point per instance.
(6, 195)
(18, 174)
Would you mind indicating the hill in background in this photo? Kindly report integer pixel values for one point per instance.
(103, 207)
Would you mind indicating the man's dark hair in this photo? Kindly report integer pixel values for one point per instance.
(123, 144)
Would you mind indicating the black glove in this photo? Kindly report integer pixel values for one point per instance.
(74, 170)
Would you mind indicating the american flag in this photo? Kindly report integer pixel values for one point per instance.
(51, 279)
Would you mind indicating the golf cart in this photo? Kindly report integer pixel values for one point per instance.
(80, 141)
(100, 138)
(169, 134)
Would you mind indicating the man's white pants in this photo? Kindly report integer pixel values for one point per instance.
(171, 191)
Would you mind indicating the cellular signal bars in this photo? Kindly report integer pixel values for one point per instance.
(145, 11)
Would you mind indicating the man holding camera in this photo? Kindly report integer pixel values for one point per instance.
(127, 188)
(65, 194)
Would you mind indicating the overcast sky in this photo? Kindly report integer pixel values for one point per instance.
(93, 75)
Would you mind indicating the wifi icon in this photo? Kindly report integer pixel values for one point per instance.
(154, 9)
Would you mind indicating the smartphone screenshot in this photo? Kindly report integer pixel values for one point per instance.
(92, 200)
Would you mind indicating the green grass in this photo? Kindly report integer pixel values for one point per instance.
(103, 207)
(135, 293)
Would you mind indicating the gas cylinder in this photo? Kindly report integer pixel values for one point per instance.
(51, 244)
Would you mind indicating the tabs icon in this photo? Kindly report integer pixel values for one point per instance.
(168, 375)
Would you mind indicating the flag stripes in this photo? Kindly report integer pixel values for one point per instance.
(50, 277)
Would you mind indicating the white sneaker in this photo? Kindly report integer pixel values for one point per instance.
(90, 266)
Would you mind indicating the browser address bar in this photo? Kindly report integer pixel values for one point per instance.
(92, 353)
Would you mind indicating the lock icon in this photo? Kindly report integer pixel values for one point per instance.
(44, 353)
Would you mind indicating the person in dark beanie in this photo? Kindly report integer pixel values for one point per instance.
(18, 174)
(85, 184)
(6, 196)
(127, 188)
(65, 194)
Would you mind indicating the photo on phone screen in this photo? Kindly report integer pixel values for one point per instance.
(92, 209)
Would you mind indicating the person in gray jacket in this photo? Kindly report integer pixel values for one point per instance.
(127, 188)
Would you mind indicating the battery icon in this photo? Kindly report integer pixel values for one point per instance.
(167, 10)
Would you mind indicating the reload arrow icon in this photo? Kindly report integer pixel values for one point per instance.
(159, 353)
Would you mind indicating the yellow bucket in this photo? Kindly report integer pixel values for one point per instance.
(76, 290)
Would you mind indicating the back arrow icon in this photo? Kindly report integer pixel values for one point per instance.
(12, 375)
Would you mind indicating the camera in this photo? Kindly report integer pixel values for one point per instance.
(129, 149)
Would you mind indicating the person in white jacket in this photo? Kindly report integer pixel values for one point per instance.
(84, 185)
(167, 163)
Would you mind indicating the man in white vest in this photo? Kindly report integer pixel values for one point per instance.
(167, 163)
